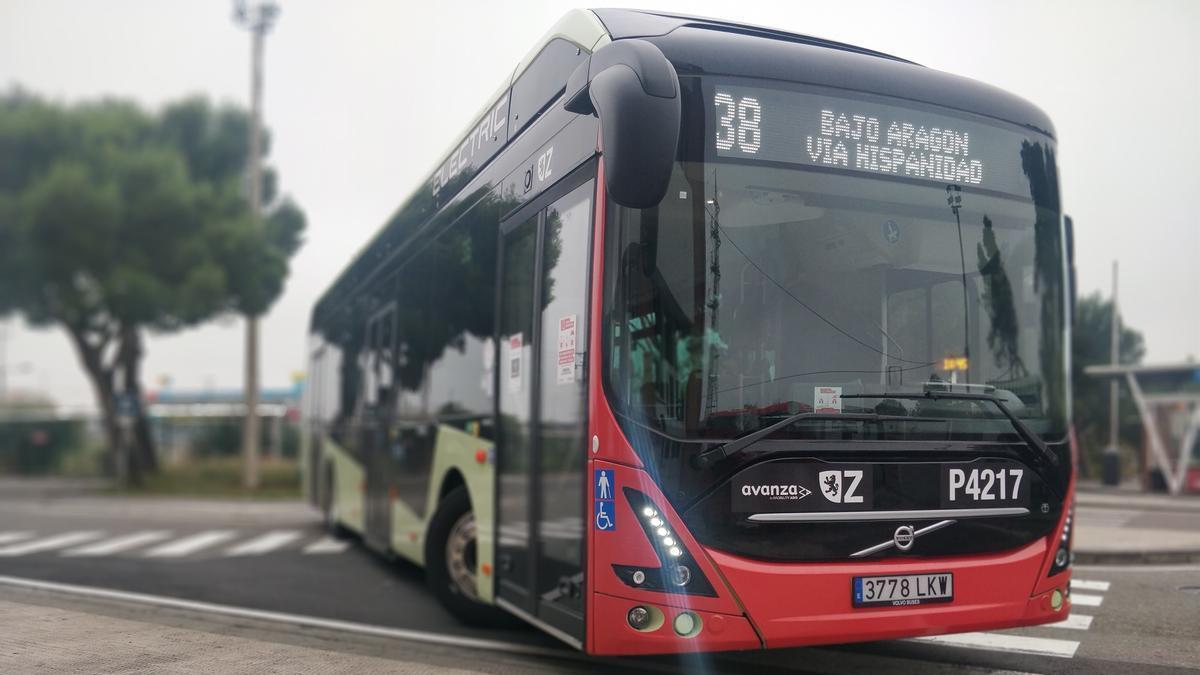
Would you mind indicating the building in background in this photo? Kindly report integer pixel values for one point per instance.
(189, 423)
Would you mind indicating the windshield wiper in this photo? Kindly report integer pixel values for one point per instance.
(737, 445)
(1028, 435)
(733, 447)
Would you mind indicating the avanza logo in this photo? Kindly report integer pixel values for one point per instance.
(776, 491)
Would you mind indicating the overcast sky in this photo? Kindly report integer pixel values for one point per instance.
(362, 99)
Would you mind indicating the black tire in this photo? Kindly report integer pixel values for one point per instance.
(462, 604)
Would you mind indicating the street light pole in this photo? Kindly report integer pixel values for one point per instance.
(258, 18)
(3, 359)
(1112, 458)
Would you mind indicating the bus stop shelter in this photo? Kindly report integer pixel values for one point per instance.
(178, 417)
(1167, 398)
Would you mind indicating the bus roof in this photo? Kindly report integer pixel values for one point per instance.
(834, 65)
(633, 23)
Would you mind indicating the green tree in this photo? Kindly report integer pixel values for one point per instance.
(1090, 337)
(115, 222)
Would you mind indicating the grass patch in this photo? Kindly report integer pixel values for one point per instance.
(221, 477)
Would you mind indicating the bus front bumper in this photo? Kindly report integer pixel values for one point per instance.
(793, 605)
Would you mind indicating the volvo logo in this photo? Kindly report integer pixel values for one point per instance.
(902, 538)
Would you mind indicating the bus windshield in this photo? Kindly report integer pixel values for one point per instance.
(762, 287)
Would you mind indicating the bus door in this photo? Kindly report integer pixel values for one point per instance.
(375, 427)
(313, 427)
(541, 397)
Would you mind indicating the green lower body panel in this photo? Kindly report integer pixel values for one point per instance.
(457, 456)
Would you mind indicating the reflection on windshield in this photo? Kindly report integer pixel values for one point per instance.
(755, 292)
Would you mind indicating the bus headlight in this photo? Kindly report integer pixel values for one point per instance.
(1062, 554)
(686, 624)
(681, 575)
(678, 571)
(645, 618)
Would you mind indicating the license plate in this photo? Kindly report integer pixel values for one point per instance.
(903, 589)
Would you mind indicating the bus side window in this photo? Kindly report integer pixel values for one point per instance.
(445, 302)
(348, 331)
(462, 273)
(542, 82)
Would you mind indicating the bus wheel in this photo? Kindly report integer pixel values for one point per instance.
(450, 561)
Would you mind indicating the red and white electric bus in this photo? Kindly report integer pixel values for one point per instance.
(708, 336)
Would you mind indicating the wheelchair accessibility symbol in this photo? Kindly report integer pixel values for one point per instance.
(605, 518)
(604, 484)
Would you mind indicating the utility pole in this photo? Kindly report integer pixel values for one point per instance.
(258, 18)
(3, 359)
(1112, 463)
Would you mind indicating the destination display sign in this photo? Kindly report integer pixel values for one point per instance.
(866, 137)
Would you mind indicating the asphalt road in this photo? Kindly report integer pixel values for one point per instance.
(274, 557)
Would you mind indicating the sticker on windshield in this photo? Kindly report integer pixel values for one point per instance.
(567, 329)
(827, 399)
(515, 353)
(891, 232)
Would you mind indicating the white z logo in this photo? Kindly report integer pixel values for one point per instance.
(831, 486)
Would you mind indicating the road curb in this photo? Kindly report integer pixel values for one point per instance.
(285, 618)
(1133, 558)
(1188, 505)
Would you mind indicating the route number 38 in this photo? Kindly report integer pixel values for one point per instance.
(738, 123)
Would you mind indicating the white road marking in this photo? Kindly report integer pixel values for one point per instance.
(264, 543)
(1074, 622)
(49, 543)
(1084, 600)
(118, 544)
(191, 544)
(1007, 643)
(1088, 585)
(1105, 517)
(327, 545)
(295, 619)
(7, 537)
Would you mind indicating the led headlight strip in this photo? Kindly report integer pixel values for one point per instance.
(1062, 553)
(678, 571)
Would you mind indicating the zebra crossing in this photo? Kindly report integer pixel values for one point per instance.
(1105, 517)
(167, 544)
(1051, 639)
(1060, 639)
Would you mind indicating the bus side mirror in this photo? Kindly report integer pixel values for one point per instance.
(634, 91)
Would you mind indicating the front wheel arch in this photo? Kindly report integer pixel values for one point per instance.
(451, 510)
